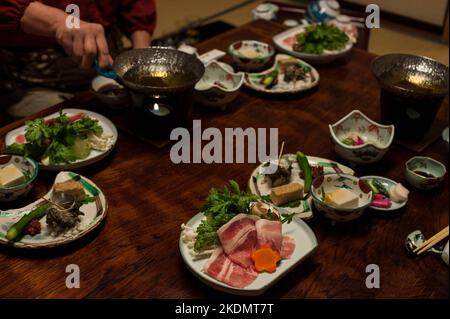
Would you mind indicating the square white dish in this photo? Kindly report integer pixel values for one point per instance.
(305, 245)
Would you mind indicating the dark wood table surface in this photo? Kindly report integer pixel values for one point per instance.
(135, 254)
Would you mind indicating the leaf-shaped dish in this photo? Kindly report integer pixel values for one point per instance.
(289, 75)
(94, 213)
(259, 185)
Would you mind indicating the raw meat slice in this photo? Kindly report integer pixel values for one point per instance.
(287, 247)
(221, 268)
(72, 118)
(269, 232)
(238, 239)
(21, 139)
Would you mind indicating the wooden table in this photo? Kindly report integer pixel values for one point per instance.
(135, 253)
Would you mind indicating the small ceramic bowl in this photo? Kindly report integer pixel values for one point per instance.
(219, 86)
(424, 172)
(251, 55)
(265, 11)
(445, 136)
(377, 138)
(322, 11)
(110, 92)
(331, 182)
(28, 167)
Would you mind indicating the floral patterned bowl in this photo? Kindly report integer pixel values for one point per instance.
(424, 172)
(28, 167)
(331, 182)
(251, 55)
(374, 138)
(219, 86)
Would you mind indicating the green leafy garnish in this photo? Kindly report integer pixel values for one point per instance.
(219, 208)
(55, 140)
(292, 204)
(287, 218)
(88, 200)
(320, 37)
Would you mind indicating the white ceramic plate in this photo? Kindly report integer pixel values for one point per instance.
(305, 244)
(445, 135)
(95, 156)
(386, 183)
(252, 80)
(304, 211)
(285, 40)
(94, 213)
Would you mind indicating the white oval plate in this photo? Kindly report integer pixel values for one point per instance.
(284, 41)
(251, 80)
(302, 211)
(94, 213)
(108, 129)
(386, 183)
(305, 244)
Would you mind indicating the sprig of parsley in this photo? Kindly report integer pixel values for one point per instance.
(220, 207)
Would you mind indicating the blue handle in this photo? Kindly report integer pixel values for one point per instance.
(108, 73)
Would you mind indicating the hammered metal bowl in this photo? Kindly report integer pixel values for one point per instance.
(425, 71)
(412, 90)
(159, 59)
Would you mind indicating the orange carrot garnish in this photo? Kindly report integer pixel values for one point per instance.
(265, 258)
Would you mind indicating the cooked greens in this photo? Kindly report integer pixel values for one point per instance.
(57, 141)
(320, 37)
(220, 207)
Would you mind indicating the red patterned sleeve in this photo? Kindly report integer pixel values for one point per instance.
(11, 11)
(138, 15)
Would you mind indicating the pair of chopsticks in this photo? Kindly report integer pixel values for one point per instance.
(432, 241)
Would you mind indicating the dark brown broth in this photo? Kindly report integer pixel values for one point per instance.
(158, 79)
(424, 174)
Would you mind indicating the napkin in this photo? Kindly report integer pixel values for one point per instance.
(445, 253)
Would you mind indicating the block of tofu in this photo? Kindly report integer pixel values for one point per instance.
(11, 176)
(286, 193)
(342, 198)
(70, 189)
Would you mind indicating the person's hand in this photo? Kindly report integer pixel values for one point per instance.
(84, 44)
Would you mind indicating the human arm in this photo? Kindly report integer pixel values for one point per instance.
(83, 44)
(138, 20)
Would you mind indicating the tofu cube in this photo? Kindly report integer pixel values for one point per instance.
(342, 198)
(286, 193)
(69, 189)
(11, 176)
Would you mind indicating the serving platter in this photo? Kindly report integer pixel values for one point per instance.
(94, 213)
(109, 129)
(253, 80)
(387, 183)
(258, 186)
(285, 40)
(305, 245)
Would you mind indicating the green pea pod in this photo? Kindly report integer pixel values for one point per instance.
(16, 230)
(306, 168)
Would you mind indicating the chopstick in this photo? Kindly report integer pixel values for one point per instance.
(432, 241)
(281, 152)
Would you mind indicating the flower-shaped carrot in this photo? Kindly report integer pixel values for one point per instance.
(265, 258)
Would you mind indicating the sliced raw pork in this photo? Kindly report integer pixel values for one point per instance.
(238, 238)
(269, 232)
(287, 247)
(220, 267)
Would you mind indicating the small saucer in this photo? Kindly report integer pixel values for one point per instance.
(387, 183)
